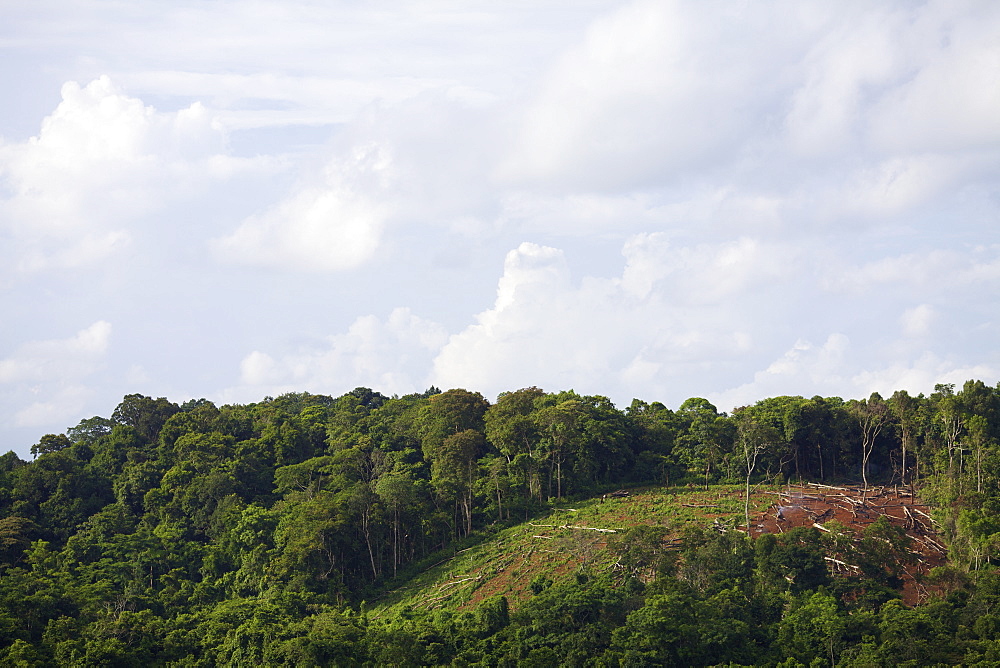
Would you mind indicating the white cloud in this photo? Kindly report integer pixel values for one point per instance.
(672, 310)
(63, 405)
(950, 100)
(56, 372)
(918, 320)
(641, 98)
(390, 356)
(771, 172)
(939, 272)
(838, 368)
(48, 360)
(100, 163)
(854, 53)
(333, 225)
(918, 375)
(804, 370)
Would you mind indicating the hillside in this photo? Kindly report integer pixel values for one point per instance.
(440, 529)
(574, 538)
(571, 538)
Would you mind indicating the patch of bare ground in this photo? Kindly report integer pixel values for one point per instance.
(573, 539)
(815, 505)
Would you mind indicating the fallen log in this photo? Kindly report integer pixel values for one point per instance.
(449, 584)
(842, 489)
(920, 512)
(591, 529)
(572, 526)
(843, 564)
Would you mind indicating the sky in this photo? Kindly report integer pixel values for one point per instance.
(655, 200)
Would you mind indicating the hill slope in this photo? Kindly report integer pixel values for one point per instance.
(574, 537)
(571, 538)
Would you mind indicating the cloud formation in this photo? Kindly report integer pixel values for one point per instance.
(47, 381)
(101, 162)
(331, 225)
(391, 356)
(639, 199)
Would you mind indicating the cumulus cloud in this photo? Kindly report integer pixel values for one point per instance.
(56, 371)
(672, 310)
(332, 225)
(920, 374)
(804, 116)
(802, 194)
(639, 99)
(390, 355)
(804, 369)
(101, 164)
(840, 368)
(682, 320)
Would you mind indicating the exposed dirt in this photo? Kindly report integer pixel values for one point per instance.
(817, 505)
(545, 547)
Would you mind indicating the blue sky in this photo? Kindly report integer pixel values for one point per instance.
(647, 199)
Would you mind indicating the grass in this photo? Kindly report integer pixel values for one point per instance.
(558, 545)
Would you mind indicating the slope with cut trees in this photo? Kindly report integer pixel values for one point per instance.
(297, 530)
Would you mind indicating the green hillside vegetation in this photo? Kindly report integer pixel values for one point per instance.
(440, 529)
(579, 538)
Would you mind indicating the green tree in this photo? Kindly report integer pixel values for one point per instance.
(399, 493)
(453, 473)
(511, 427)
(50, 443)
(447, 414)
(562, 435)
(145, 414)
(813, 629)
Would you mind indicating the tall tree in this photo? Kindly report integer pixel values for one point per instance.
(145, 414)
(453, 473)
(562, 429)
(904, 408)
(754, 436)
(951, 419)
(447, 414)
(512, 429)
(872, 417)
(397, 492)
(700, 444)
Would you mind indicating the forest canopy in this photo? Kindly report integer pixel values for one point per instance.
(196, 534)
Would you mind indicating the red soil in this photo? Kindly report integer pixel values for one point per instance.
(816, 505)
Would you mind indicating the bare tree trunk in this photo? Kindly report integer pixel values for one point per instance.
(902, 473)
(746, 503)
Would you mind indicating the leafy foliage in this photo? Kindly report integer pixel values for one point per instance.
(198, 534)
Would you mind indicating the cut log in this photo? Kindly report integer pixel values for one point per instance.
(572, 526)
(842, 489)
(591, 529)
(843, 564)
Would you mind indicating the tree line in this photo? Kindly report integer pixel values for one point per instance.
(167, 524)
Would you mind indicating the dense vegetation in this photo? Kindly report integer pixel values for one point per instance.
(252, 534)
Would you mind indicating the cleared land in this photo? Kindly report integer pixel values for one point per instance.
(853, 507)
(574, 537)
